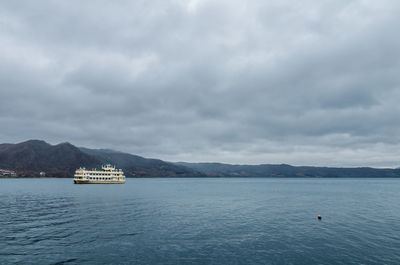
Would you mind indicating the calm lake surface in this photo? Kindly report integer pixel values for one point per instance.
(200, 221)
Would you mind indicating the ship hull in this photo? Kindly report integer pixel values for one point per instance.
(99, 181)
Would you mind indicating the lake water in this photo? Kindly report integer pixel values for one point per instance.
(200, 221)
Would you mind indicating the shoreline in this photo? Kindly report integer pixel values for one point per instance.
(216, 177)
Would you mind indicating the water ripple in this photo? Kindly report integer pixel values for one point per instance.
(195, 221)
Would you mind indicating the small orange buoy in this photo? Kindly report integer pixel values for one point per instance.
(319, 217)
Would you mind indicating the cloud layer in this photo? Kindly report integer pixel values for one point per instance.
(310, 82)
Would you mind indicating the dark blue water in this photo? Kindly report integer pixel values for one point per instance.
(200, 221)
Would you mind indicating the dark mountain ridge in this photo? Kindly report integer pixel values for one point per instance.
(34, 156)
(30, 158)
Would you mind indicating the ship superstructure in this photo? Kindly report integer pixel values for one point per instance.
(108, 174)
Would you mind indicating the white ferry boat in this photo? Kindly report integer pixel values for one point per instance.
(106, 175)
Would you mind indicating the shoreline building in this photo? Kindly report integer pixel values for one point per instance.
(7, 173)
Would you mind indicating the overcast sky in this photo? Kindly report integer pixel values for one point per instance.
(298, 82)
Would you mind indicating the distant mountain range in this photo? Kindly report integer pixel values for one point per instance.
(283, 170)
(30, 158)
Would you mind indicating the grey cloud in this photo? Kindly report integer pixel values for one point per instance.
(231, 81)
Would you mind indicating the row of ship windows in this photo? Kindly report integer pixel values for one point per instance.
(99, 174)
(100, 178)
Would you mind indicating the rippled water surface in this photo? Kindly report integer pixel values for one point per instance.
(200, 221)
